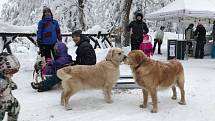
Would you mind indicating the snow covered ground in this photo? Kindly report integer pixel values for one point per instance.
(90, 105)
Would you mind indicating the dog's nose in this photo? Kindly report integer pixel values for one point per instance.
(125, 57)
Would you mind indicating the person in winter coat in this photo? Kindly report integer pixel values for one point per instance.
(9, 65)
(62, 59)
(146, 45)
(159, 39)
(213, 32)
(85, 54)
(137, 28)
(201, 41)
(189, 36)
(48, 34)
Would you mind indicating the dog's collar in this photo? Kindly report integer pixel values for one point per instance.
(111, 61)
(141, 63)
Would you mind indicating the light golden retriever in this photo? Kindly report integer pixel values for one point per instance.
(153, 75)
(103, 76)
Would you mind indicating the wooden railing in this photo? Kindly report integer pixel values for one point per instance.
(32, 37)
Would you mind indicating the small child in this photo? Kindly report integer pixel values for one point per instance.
(62, 59)
(9, 65)
(146, 45)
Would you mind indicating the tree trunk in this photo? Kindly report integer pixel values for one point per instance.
(126, 6)
(81, 14)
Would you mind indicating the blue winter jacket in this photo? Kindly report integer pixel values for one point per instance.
(48, 31)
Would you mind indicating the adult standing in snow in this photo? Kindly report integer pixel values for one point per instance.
(159, 39)
(200, 33)
(213, 32)
(189, 36)
(137, 28)
(48, 34)
(85, 54)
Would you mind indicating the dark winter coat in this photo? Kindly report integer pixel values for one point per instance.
(63, 58)
(48, 31)
(85, 54)
(201, 34)
(213, 32)
(189, 33)
(138, 28)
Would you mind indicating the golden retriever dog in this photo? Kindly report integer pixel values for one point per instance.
(103, 76)
(153, 75)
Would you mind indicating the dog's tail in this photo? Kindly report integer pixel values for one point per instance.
(63, 73)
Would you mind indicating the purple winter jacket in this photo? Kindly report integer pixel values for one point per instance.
(63, 58)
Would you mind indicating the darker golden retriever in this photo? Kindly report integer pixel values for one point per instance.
(103, 76)
(153, 75)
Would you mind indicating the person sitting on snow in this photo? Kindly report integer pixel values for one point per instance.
(85, 54)
(62, 59)
(9, 65)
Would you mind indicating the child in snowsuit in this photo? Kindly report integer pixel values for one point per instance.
(146, 45)
(9, 65)
(63, 59)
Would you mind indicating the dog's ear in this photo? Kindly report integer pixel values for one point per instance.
(139, 56)
(110, 55)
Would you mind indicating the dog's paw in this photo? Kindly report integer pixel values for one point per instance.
(143, 106)
(109, 101)
(154, 111)
(67, 108)
(174, 98)
(182, 103)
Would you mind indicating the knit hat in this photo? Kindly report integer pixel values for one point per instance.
(46, 9)
(76, 33)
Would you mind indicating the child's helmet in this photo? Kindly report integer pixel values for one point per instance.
(9, 64)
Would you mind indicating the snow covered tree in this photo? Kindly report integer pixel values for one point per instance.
(77, 14)
(126, 6)
(81, 14)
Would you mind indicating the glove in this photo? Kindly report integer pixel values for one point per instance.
(39, 43)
